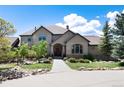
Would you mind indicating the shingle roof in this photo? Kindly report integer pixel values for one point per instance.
(94, 40)
(56, 29)
(31, 31)
(51, 28)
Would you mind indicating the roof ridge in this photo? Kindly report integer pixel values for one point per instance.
(91, 36)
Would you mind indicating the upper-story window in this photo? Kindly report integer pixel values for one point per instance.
(29, 39)
(77, 49)
(42, 37)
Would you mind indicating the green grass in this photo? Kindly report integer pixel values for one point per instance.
(37, 66)
(7, 66)
(93, 65)
(26, 67)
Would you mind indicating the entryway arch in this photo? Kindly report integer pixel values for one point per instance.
(57, 49)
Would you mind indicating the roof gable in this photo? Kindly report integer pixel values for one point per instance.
(78, 35)
(68, 31)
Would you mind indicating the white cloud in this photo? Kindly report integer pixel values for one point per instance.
(81, 25)
(98, 17)
(111, 16)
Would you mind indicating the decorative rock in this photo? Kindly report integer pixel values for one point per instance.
(116, 68)
(121, 68)
(11, 74)
(28, 62)
(81, 68)
(39, 70)
(34, 73)
(90, 69)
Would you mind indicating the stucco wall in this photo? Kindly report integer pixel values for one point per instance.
(76, 40)
(24, 39)
(93, 50)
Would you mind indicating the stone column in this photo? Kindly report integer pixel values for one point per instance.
(52, 50)
(63, 50)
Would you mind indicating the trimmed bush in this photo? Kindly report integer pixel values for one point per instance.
(84, 60)
(72, 60)
(81, 60)
(121, 64)
(47, 61)
(89, 57)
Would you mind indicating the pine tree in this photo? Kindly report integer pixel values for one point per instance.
(106, 46)
(118, 36)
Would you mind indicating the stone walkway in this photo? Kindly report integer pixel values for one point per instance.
(62, 76)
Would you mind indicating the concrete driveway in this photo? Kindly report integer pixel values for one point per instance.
(62, 76)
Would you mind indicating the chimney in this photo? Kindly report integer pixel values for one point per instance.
(35, 28)
(67, 27)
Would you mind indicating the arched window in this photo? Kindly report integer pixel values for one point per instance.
(77, 49)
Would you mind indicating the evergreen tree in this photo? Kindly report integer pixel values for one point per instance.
(106, 46)
(118, 36)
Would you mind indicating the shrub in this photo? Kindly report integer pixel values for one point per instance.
(121, 64)
(84, 60)
(72, 60)
(23, 50)
(31, 54)
(44, 60)
(11, 55)
(47, 61)
(40, 49)
(81, 60)
(65, 58)
(87, 61)
(89, 57)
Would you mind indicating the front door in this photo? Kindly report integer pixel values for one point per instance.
(57, 50)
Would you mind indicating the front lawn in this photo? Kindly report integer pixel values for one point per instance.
(93, 65)
(29, 67)
(37, 66)
(7, 66)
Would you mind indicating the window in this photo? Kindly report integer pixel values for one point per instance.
(77, 49)
(42, 37)
(29, 39)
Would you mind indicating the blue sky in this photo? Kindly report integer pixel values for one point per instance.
(27, 17)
